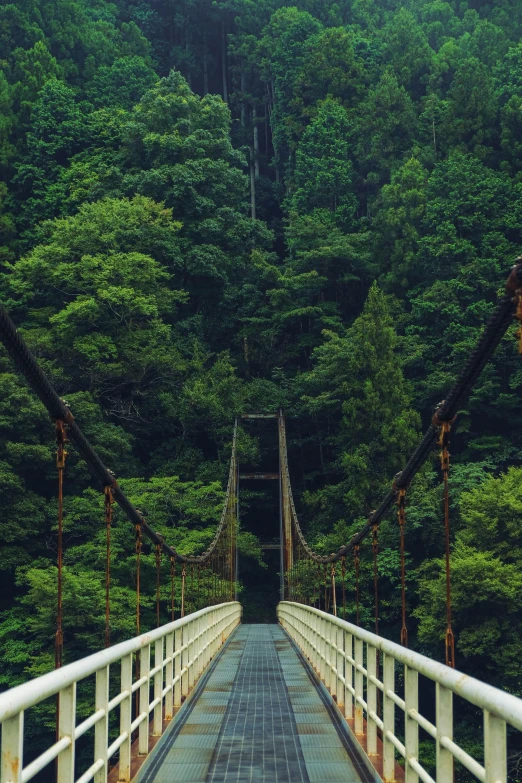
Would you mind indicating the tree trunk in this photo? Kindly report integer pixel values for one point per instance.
(242, 88)
(266, 133)
(205, 64)
(252, 185)
(224, 61)
(256, 142)
(187, 52)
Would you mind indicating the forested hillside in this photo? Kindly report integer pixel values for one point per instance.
(208, 208)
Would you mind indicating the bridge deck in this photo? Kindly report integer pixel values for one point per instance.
(257, 715)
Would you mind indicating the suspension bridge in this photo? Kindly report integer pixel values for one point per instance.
(205, 698)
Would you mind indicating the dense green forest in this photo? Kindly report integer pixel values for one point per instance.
(212, 207)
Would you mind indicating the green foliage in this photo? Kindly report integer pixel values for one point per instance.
(323, 177)
(486, 578)
(226, 207)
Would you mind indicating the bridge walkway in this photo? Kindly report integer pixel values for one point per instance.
(257, 716)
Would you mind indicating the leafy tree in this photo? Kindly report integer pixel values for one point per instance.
(357, 378)
(121, 84)
(323, 176)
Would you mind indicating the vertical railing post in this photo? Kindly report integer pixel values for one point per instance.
(184, 661)
(322, 648)
(328, 654)
(66, 726)
(205, 642)
(444, 722)
(199, 647)
(308, 630)
(348, 675)
(191, 646)
(359, 686)
(13, 748)
(314, 622)
(177, 667)
(101, 729)
(495, 748)
(169, 676)
(157, 725)
(371, 700)
(143, 735)
(340, 668)
(411, 727)
(388, 717)
(126, 719)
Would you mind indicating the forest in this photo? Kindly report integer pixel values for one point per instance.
(211, 207)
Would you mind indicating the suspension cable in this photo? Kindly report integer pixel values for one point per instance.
(401, 513)
(357, 565)
(343, 577)
(61, 455)
(445, 429)
(507, 307)
(108, 523)
(158, 584)
(183, 581)
(375, 552)
(334, 597)
(138, 579)
(58, 409)
(172, 587)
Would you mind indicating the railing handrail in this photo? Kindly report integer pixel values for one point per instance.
(26, 695)
(482, 695)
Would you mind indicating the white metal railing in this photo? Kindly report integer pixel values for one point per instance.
(338, 651)
(182, 650)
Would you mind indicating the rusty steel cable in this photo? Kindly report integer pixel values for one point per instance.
(158, 583)
(333, 588)
(183, 583)
(375, 552)
(401, 514)
(61, 454)
(138, 546)
(507, 307)
(445, 429)
(172, 588)
(107, 491)
(58, 409)
(357, 586)
(343, 580)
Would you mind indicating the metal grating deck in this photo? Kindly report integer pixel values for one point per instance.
(257, 717)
